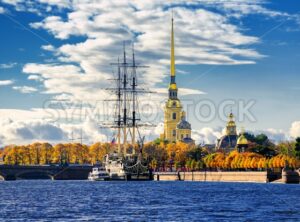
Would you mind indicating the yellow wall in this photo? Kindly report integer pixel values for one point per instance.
(169, 123)
(183, 132)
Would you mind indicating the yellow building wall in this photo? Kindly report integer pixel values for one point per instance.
(170, 123)
(183, 133)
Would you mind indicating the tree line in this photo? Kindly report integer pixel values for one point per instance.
(162, 156)
(45, 153)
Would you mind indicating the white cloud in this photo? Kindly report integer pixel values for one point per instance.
(12, 2)
(48, 47)
(58, 3)
(181, 91)
(32, 130)
(7, 65)
(206, 135)
(275, 135)
(295, 129)
(25, 89)
(2, 10)
(35, 77)
(6, 82)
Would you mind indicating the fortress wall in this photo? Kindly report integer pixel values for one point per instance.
(260, 177)
(231, 176)
(162, 176)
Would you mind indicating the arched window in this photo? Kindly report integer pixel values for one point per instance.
(174, 116)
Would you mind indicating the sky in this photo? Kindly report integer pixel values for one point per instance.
(235, 55)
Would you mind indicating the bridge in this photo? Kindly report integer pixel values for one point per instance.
(53, 172)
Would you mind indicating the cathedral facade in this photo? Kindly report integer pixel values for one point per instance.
(176, 127)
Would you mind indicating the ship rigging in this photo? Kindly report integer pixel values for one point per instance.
(126, 163)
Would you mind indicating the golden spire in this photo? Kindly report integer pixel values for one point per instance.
(172, 50)
(172, 86)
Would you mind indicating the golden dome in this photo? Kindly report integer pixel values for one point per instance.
(231, 123)
(242, 140)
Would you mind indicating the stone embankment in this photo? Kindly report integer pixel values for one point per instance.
(230, 176)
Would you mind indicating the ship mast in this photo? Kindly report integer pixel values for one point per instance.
(119, 106)
(124, 100)
(133, 85)
(126, 115)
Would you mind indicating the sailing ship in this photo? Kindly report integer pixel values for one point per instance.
(127, 162)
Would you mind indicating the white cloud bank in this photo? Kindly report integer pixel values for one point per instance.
(29, 131)
(23, 127)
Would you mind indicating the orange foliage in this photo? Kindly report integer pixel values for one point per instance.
(45, 153)
(248, 160)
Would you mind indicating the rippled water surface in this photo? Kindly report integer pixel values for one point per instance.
(147, 201)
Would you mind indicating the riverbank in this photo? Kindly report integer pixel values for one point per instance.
(230, 176)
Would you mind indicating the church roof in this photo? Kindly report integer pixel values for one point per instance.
(188, 140)
(227, 141)
(183, 124)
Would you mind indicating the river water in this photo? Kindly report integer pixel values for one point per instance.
(45, 200)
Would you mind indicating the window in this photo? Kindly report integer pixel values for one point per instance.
(174, 116)
(174, 132)
(187, 136)
(181, 136)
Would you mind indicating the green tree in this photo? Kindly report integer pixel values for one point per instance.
(250, 137)
(261, 139)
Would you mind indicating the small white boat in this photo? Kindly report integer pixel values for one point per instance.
(115, 167)
(98, 174)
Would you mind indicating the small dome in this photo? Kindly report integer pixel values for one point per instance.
(242, 140)
(183, 124)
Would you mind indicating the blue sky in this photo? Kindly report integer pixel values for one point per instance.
(235, 50)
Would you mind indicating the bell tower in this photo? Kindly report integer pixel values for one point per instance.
(173, 108)
(231, 127)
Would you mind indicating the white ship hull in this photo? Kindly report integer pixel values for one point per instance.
(98, 174)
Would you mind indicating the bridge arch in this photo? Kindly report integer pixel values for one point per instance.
(2, 177)
(7, 176)
(34, 174)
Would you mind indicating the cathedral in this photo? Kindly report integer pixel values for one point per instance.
(176, 127)
(231, 141)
